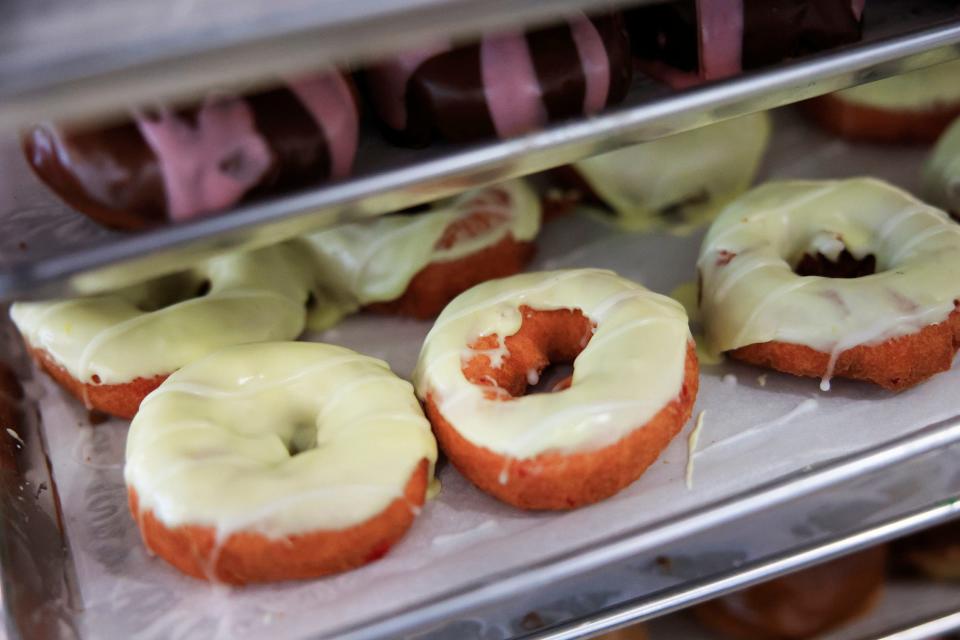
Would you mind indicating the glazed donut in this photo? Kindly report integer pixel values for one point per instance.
(112, 350)
(686, 42)
(686, 178)
(414, 264)
(168, 164)
(276, 461)
(913, 107)
(780, 282)
(633, 386)
(507, 84)
(934, 552)
(802, 604)
(941, 173)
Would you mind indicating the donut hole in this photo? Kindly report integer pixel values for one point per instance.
(846, 265)
(302, 438)
(547, 342)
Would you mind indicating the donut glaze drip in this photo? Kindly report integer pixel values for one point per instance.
(632, 366)
(750, 293)
(507, 84)
(278, 439)
(359, 264)
(681, 180)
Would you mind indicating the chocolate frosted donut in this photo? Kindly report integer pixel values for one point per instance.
(176, 164)
(506, 84)
(688, 41)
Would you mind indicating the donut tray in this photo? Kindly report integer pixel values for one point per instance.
(48, 250)
(783, 476)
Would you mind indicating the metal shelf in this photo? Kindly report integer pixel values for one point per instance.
(65, 254)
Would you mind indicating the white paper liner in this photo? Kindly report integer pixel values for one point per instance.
(754, 433)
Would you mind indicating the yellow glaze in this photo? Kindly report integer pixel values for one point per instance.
(751, 294)
(941, 174)
(924, 89)
(682, 181)
(142, 331)
(632, 366)
(156, 328)
(375, 261)
(276, 438)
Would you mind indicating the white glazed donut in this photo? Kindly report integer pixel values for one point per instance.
(941, 173)
(680, 181)
(418, 262)
(633, 385)
(111, 350)
(276, 461)
(895, 327)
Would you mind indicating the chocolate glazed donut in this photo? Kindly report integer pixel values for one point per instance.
(176, 164)
(687, 41)
(507, 84)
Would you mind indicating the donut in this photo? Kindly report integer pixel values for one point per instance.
(941, 172)
(934, 552)
(913, 107)
(678, 182)
(277, 461)
(848, 278)
(802, 604)
(686, 42)
(414, 264)
(507, 84)
(633, 386)
(112, 350)
(174, 164)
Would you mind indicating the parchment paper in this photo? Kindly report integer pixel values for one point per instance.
(753, 434)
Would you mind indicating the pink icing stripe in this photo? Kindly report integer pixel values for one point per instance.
(857, 6)
(328, 98)
(721, 37)
(596, 65)
(388, 83)
(510, 84)
(207, 166)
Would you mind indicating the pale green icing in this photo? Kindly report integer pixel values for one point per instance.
(681, 181)
(116, 338)
(941, 173)
(276, 438)
(631, 368)
(924, 89)
(375, 261)
(155, 328)
(751, 294)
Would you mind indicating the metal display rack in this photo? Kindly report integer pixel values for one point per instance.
(64, 253)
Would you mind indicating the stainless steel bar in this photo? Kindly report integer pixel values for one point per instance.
(949, 621)
(788, 562)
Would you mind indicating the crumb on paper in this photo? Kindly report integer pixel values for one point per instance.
(762, 380)
(692, 446)
(730, 380)
(16, 436)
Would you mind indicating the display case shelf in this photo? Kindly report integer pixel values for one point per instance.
(47, 250)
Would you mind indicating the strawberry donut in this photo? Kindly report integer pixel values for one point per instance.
(277, 461)
(850, 278)
(112, 350)
(413, 264)
(633, 386)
